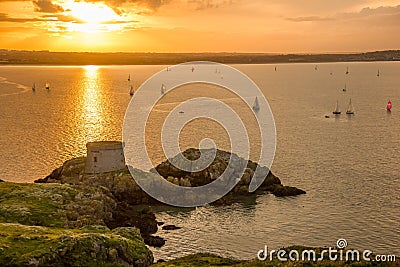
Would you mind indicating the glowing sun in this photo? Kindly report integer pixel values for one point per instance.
(92, 13)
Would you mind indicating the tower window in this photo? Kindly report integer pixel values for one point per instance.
(95, 159)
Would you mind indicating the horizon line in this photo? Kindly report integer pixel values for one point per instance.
(205, 52)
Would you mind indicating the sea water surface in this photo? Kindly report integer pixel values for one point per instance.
(349, 166)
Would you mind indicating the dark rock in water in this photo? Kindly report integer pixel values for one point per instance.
(170, 227)
(126, 215)
(217, 167)
(160, 223)
(284, 191)
(154, 241)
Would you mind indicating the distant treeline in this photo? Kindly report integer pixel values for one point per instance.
(86, 58)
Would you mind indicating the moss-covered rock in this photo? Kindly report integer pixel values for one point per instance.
(54, 205)
(68, 206)
(22, 245)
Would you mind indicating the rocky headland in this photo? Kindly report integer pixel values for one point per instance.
(124, 188)
(74, 218)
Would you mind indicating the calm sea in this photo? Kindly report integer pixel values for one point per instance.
(349, 166)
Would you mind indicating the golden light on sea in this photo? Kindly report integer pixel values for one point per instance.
(92, 113)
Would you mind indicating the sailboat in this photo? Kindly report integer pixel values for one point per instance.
(256, 105)
(350, 109)
(347, 70)
(33, 87)
(47, 86)
(378, 74)
(337, 109)
(389, 106)
(131, 92)
(129, 77)
(316, 67)
(163, 89)
(345, 88)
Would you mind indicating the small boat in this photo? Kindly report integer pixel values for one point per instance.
(129, 77)
(337, 109)
(347, 70)
(316, 67)
(131, 92)
(331, 73)
(389, 106)
(327, 117)
(345, 88)
(192, 69)
(275, 68)
(378, 74)
(350, 109)
(256, 105)
(47, 86)
(34, 87)
(163, 88)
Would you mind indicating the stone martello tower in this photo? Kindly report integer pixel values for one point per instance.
(104, 156)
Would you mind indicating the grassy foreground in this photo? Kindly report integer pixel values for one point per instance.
(204, 259)
(22, 245)
(61, 225)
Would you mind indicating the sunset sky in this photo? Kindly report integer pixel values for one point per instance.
(285, 26)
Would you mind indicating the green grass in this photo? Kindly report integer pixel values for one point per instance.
(203, 260)
(22, 245)
(35, 204)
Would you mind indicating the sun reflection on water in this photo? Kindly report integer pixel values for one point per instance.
(92, 111)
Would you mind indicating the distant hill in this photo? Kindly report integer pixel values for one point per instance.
(86, 58)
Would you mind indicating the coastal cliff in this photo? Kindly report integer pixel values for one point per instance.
(61, 225)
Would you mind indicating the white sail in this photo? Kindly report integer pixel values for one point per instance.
(163, 88)
(47, 85)
(350, 109)
(337, 109)
(256, 105)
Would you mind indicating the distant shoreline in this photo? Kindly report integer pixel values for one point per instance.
(19, 57)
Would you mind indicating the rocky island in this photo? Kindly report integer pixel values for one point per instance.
(124, 188)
